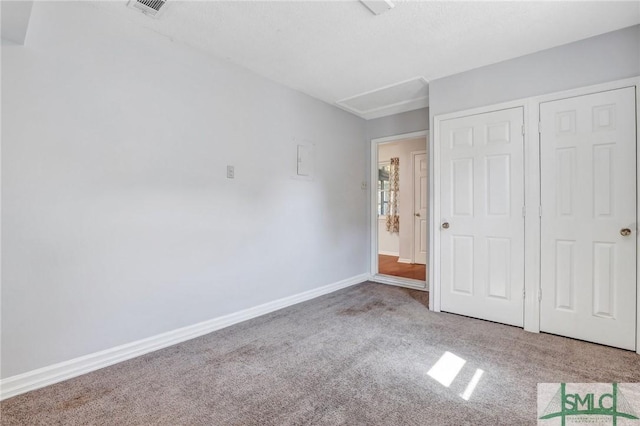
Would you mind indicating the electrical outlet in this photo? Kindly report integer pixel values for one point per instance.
(230, 172)
(363, 185)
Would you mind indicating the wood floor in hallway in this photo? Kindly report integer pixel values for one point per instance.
(389, 265)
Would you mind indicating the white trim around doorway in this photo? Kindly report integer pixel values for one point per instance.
(373, 210)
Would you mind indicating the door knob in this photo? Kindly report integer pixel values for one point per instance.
(417, 214)
(445, 225)
(625, 232)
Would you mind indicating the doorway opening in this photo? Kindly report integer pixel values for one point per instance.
(399, 210)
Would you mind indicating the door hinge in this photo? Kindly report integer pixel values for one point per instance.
(539, 126)
(523, 130)
(524, 293)
(524, 211)
(539, 294)
(539, 211)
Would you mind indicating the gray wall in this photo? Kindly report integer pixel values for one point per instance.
(118, 220)
(15, 21)
(405, 122)
(599, 59)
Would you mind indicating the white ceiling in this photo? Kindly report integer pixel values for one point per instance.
(338, 49)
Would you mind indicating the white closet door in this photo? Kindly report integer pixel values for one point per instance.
(588, 247)
(482, 225)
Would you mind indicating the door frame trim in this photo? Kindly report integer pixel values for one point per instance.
(373, 212)
(413, 154)
(531, 107)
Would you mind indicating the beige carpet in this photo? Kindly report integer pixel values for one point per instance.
(359, 356)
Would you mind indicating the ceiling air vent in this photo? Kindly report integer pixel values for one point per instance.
(152, 8)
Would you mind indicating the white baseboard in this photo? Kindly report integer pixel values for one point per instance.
(388, 253)
(404, 260)
(55, 373)
(400, 282)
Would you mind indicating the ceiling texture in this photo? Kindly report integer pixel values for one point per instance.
(336, 51)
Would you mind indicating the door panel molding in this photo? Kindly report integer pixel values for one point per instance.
(532, 193)
(588, 169)
(482, 176)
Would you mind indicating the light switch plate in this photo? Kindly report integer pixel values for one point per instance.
(304, 164)
(230, 172)
(305, 160)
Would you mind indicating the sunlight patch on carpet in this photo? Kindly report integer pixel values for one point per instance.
(447, 368)
(472, 384)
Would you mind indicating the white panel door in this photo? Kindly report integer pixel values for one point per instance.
(482, 225)
(420, 208)
(588, 247)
